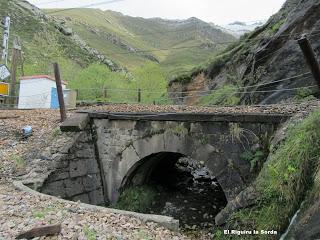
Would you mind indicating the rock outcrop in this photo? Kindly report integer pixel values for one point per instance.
(268, 54)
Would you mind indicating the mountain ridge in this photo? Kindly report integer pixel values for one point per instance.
(140, 34)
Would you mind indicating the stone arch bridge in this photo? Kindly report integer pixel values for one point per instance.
(110, 151)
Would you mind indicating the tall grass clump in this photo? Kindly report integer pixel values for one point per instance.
(285, 179)
(136, 199)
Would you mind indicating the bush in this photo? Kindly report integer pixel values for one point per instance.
(183, 79)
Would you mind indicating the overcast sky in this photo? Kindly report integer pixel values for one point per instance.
(216, 11)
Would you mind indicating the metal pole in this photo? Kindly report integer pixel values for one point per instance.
(5, 43)
(310, 57)
(60, 92)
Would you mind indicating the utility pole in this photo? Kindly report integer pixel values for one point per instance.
(310, 57)
(5, 42)
(16, 52)
(60, 92)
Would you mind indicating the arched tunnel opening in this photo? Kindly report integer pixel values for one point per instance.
(175, 185)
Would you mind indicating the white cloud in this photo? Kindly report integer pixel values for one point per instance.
(217, 11)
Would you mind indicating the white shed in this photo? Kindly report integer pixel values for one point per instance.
(38, 92)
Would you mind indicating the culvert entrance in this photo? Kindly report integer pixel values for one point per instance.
(164, 183)
(173, 185)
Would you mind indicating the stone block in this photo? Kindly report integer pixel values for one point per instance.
(92, 166)
(73, 187)
(75, 123)
(54, 189)
(86, 152)
(148, 146)
(128, 159)
(58, 175)
(96, 197)
(84, 198)
(91, 182)
(78, 168)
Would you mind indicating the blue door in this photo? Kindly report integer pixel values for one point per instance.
(54, 99)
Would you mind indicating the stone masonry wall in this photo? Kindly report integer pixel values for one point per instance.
(122, 144)
(76, 175)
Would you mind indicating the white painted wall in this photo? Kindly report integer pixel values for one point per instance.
(36, 93)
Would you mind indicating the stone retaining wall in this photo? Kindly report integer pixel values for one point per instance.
(77, 174)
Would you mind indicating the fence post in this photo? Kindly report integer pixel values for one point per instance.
(310, 57)
(15, 54)
(60, 92)
(139, 95)
(105, 93)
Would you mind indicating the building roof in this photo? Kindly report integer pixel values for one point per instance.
(41, 76)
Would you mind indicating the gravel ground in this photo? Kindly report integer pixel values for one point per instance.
(276, 108)
(20, 211)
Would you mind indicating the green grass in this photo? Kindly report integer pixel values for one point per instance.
(89, 232)
(56, 132)
(41, 214)
(221, 96)
(136, 199)
(254, 158)
(94, 26)
(43, 44)
(275, 28)
(18, 161)
(97, 82)
(284, 180)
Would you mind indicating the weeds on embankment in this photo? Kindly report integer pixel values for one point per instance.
(292, 170)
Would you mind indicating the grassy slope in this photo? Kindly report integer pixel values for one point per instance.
(143, 34)
(229, 63)
(43, 44)
(284, 181)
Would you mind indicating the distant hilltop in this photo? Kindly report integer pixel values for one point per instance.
(238, 28)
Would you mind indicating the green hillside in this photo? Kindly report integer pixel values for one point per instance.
(131, 41)
(99, 50)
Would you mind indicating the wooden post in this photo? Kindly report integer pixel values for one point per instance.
(60, 92)
(15, 54)
(310, 57)
(139, 95)
(105, 93)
